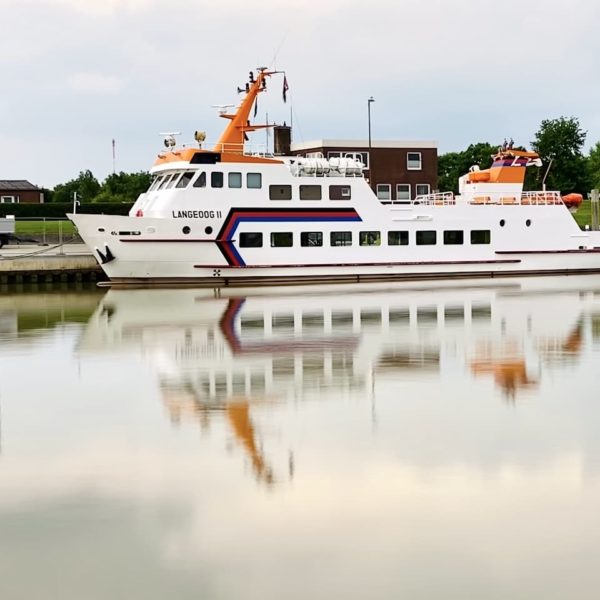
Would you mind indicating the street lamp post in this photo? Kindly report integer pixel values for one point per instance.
(369, 101)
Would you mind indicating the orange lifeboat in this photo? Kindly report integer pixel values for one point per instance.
(572, 200)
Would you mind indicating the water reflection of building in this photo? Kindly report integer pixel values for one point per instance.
(226, 357)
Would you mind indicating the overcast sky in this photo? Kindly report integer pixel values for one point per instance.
(77, 73)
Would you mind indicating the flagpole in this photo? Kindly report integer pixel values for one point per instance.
(114, 156)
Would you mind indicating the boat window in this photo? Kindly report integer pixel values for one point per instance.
(280, 192)
(397, 238)
(413, 161)
(251, 240)
(369, 238)
(313, 321)
(310, 192)
(339, 192)
(155, 183)
(426, 238)
(341, 238)
(282, 239)
(481, 311)
(164, 182)
(481, 236)
(311, 238)
(173, 180)
(454, 237)
(185, 179)
(234, 180)
(200, 181)
(384, 191)
(216, 179)
(254, 180)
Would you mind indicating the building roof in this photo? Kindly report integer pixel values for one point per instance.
(17, 185)
(364, 144)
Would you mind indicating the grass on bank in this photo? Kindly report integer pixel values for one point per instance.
(38, 228)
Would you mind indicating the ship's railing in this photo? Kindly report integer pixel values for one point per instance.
(525, 198)
(437, 199)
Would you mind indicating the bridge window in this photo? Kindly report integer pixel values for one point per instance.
(254, 181)
(369, 238)
(413, 161)
(200, 181)
(339, 192)
(311, 238)
(156, 182)
(251, 240)
(481, 236)
(280, 192)
(216, 179)
(310, 192)
(454, 238)
(341, 238)
(397, 238)
(403, 192)
(426, 238)
(165, 181)
(282, 239)
(384, 191)
(185, 179)
(234, 180)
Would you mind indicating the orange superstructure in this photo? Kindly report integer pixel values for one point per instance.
(508, 167)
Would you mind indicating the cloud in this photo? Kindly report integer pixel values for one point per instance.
(94, 83)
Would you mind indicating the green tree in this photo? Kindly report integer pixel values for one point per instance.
(593, 167)
(124, 187)
(453, 165)
(561, 141)
(86, 186)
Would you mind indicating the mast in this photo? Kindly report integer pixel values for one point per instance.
(233, 138)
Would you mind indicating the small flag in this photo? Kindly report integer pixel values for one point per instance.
(286, 87)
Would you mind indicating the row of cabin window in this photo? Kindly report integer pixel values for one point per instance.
(253, 181)
(285, 239)
(217, 180)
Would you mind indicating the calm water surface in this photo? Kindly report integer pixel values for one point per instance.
(410, 441)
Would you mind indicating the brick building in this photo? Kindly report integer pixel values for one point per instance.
(20, 191)
(397, 170)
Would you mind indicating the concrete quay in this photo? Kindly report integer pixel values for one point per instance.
(31, 264)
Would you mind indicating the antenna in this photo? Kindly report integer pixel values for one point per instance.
(222, 108)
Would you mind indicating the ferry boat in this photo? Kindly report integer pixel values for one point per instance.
(227, 216)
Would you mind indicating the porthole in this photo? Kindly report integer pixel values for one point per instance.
(502, 222)
(208, 230)
(528, 222)
(186, 230)
(101, 229)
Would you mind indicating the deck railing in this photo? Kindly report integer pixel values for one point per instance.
(437, 199)
(525, 198)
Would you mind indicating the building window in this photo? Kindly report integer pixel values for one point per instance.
(9, 200)
(481, 236)
(339, 192)
(254, 180)
(426, 238)
(234, 180)
(423, 189)
(397, 238)
(454, 238)
(216, 179)
(369, 238)
(282, 239)
(403, 192)
(280, 192)
(413, 161)
(310, 192)
(341, 238)
(185, 179)
(251, 240)
(311, 238)
(384, 191)
(201, 181)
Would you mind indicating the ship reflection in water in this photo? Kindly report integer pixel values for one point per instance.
(422, 440)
